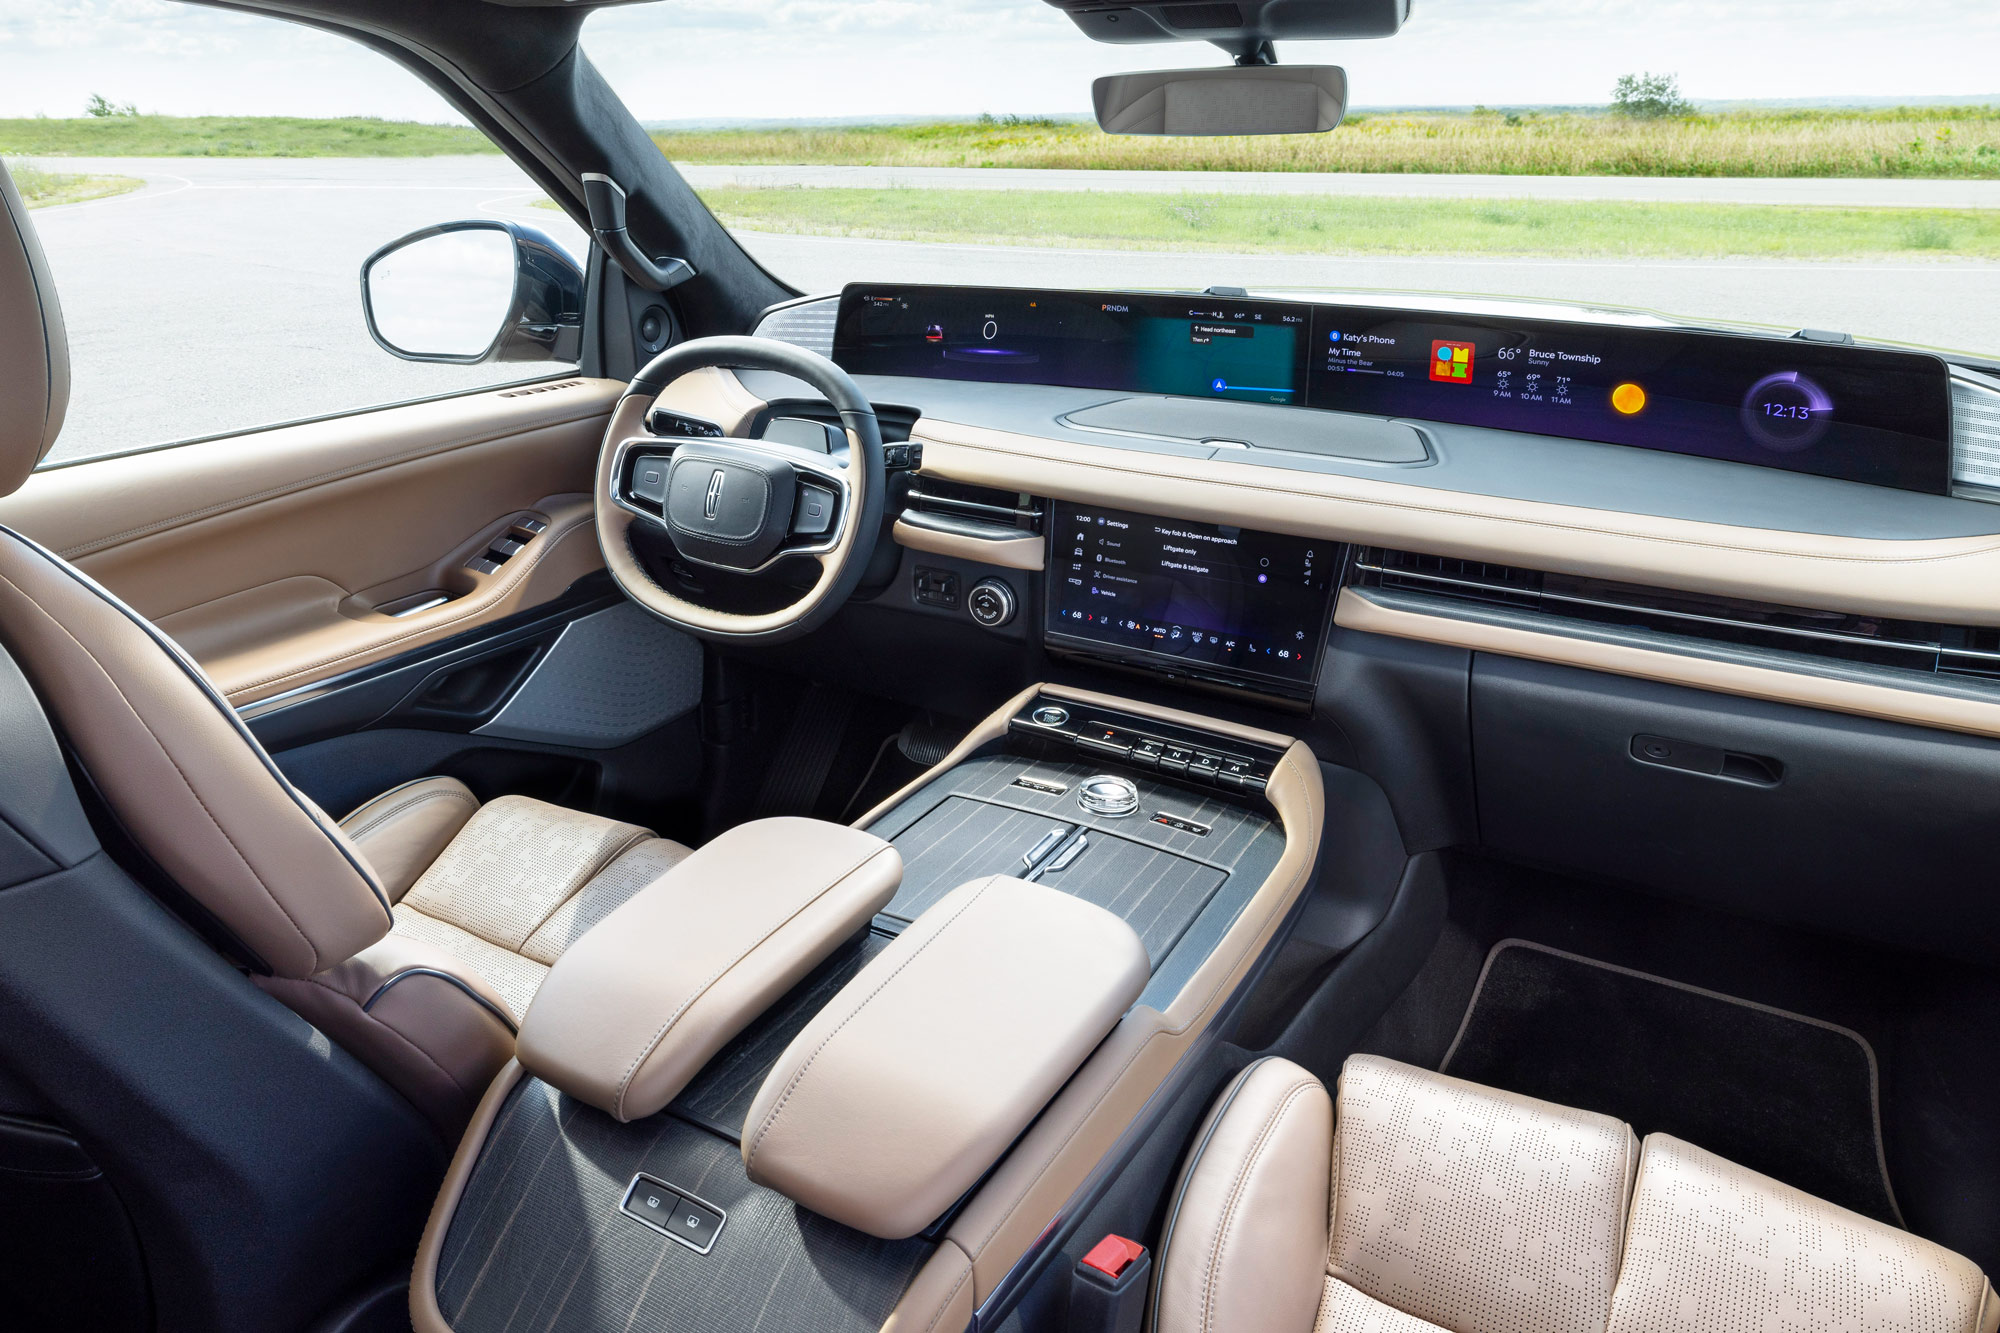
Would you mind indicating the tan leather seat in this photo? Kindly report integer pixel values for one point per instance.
(415, 932)
(1423, 1202)
(483, 900)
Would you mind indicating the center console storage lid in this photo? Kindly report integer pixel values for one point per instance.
(918, 1075)
(637, 1006)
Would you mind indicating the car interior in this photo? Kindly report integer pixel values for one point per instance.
(932, 807)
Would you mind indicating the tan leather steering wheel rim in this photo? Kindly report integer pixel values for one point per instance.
(840, 566)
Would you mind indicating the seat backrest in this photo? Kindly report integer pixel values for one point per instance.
(171, 760)
(34, 349)
(1471, 1207)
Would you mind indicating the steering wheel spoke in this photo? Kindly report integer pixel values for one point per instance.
(741, 505)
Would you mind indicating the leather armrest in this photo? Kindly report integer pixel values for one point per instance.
(637, 1006)
(921, 1072)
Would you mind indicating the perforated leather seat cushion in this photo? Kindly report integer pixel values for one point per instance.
(1461, 1207)
(1714, 1247)
(495, 894)
(520, 882)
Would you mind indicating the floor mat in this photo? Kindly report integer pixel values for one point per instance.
(1790, 1096)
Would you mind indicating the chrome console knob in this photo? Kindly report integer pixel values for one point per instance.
(1108, 794)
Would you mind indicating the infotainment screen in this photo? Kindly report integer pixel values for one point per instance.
(1862, 414)
(1220, 601)
(1247, 351)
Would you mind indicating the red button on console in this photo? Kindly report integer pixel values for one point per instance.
(1113, 1255)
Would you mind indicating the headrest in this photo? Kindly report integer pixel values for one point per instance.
(34, 351)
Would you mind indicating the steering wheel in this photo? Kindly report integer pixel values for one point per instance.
(752, 510)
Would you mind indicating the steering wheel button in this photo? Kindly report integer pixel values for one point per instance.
(814, 514)
(649, 479)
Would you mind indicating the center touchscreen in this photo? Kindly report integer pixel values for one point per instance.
(1220, 601)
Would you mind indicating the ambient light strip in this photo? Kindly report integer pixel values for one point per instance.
(1357, 611)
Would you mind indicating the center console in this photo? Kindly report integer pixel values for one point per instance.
(871, 1099)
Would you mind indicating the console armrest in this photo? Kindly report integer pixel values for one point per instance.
(636, 1007)
(920, 1073)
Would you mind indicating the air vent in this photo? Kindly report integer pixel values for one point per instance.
(807, 324)
(542, 388)
(1904, 645)
(1005, 513)
(1975, 434)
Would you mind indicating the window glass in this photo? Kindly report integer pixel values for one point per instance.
(1785, 163)
(207, 250)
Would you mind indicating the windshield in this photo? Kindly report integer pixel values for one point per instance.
(1781, 163)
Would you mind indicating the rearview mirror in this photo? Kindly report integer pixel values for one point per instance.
(1245, 99)
(467, 292)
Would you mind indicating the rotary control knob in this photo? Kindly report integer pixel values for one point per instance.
(1108, 794)
(991, 603)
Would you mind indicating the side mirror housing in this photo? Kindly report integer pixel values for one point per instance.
(1242, 99)
(475, 291)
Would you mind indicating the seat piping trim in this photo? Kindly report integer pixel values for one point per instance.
(441, 975)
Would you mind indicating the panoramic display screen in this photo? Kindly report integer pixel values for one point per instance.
(1859, 414)
(1239, 602)
(1248, 351)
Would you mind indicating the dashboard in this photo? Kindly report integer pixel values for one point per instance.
(1868, 415)
(1842, 558)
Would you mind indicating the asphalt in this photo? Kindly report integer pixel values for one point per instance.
(225, 294)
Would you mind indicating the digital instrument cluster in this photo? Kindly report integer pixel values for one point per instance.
(1859, 414)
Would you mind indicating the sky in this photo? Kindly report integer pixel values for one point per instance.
(802, 59)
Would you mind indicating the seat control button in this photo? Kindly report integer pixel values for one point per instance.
(652, 1202)
(694, 1224)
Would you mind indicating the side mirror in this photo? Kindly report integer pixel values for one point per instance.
(1244, 99)
(467, 292)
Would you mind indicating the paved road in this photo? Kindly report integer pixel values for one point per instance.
(1685, 190)
(224, 294)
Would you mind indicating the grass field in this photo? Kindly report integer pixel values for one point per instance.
(43, 189)
(1955, 142)
(235, 136)
(1952, 142)
(1552, 228)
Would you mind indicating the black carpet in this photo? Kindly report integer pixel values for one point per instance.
(1786, 1095)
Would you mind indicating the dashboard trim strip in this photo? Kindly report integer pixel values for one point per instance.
(1356, 610)
(1939, 579)
(1024, 552)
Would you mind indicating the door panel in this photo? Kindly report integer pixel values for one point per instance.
(270, 555)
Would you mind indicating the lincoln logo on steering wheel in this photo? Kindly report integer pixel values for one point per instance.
(713, 501)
